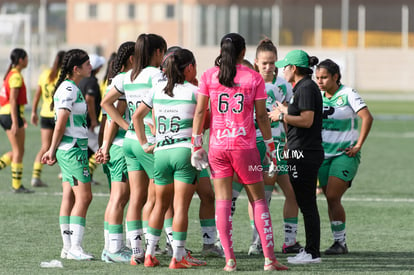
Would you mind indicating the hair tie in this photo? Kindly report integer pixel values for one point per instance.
(228, 39)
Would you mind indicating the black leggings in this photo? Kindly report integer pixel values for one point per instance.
(303, 174)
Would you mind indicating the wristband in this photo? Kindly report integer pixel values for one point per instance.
(197, 140)
(145, 146)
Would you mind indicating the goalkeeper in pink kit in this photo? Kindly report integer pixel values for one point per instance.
(235, 92)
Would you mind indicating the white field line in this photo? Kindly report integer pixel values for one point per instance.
(274, 197)
(392, 134)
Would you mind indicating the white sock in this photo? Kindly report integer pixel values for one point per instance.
(168, 235)
(77, 236)
(65, 233)
(339, 232)
(178, 249)
(152, 242)
(209, 234)
(115, 242)
(106, 237)
(290, 233)
(135, 237)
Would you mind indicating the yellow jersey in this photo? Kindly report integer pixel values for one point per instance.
(47, 89)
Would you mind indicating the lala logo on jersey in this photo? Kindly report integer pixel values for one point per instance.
(230, 131)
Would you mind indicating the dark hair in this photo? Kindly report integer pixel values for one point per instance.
(15, 56)
(265, 45)
(313, 60)
(72, 58)
(108, 71)
(145, 48)
(125, 51)
(169, 52)
(332, 69)
(232, 45)
(57, 63)
(174, 70)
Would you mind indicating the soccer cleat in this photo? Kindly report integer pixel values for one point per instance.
(63, 253)
(22, 190)
(291, 248)
(137, 259)
(158, 250)
(273, 265)
(122, 256)
(174, 264)
(230, 265)
(79, 255)
(212, 250)
(151, 261)
(193, 261)
(36, 182)
(337, 249)
(303, 258)
(255, 249)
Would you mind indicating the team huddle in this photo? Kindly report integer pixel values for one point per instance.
(156, 120)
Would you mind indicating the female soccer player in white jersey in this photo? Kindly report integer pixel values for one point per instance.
(173, 103)
(235, 91)
(69, 147)
(342, 143)
(113, 138)
(145, 73)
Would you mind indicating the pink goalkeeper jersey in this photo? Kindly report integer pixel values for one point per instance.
(232, 124)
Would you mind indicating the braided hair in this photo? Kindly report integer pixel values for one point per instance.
(125, 51)
(72, 58)
(174, 68)
(232, 45)
(15, 56)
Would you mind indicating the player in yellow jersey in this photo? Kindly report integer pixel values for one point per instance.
(45, 88)
(12, 100)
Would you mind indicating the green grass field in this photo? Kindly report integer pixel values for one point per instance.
(379, 206)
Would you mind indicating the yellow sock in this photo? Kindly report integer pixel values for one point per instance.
(5, 161)
(37, 170)
(17, 173)
(92, 164)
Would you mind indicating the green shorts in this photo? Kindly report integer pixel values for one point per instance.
(204, 174)
(342, 167)
(174, 164)
(74, 164)
(117, 165)
(137, 159)
(281, 162)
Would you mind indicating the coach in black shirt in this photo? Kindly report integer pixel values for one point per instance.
(304, 142)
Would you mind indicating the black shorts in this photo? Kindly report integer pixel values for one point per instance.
(47, 123)
(6, 121)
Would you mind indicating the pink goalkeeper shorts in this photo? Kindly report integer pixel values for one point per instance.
(245, 162)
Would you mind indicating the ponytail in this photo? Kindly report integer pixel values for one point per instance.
(175, 65)
(15, 56)
(232, 45)
(57, 63)
(145, 47)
